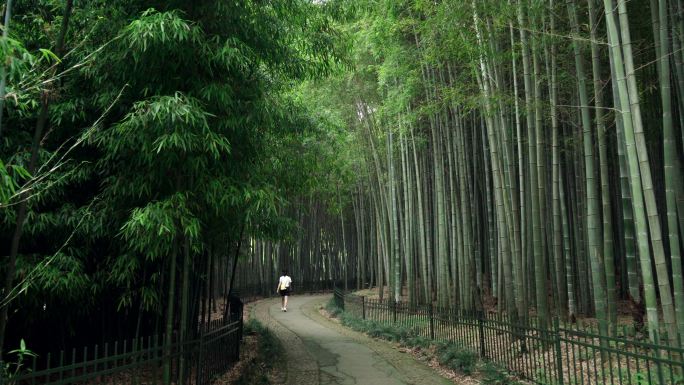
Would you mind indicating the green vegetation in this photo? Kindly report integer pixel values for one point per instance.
(267, 360)
(144, 145)
(375, 329)
(18, 361)
(520, 156)
(524, 155)
(457, 358)
(449, 354)
(332, 308)
(494, 375)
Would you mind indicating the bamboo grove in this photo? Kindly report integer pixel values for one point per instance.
(519, 156)
(144, 145)
(522, 154)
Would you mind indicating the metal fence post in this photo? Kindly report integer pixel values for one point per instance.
(363, 307)
(431, 313)
(199, 369)
(240, 330)
(557, 343)
(394, 311)
(480, 329)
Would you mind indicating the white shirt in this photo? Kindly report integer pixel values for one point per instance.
(284, 281)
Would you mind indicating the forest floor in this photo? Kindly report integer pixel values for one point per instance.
(631, 358)
(626, 310)
(321, 351)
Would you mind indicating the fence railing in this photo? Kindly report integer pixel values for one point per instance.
(196, 361)
(556, 353)
(160, 359)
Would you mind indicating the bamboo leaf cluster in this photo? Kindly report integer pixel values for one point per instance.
(151, 144)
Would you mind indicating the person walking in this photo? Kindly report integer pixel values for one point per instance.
(284, 289)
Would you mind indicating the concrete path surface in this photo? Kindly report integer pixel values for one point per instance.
(320, 351)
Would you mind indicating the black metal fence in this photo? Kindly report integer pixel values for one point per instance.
(212, 351)
(556, 353)
(196, 361)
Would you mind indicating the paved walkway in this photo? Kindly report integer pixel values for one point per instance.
(320, 351)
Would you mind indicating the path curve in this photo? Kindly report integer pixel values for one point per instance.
(320, 351)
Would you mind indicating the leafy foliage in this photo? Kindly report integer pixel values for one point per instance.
(494, 375)
(11, 369)
(268, 349)
(173, 130)
(457, 358)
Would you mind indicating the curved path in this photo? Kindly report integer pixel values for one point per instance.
(320, 351)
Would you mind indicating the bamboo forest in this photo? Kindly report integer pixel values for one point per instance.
(158, 158)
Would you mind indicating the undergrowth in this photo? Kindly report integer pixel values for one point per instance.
(492, 374)
(457, 358)
(268, 348)
(448, 354)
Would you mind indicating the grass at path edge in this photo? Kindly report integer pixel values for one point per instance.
(449, 355)
(269, 359)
